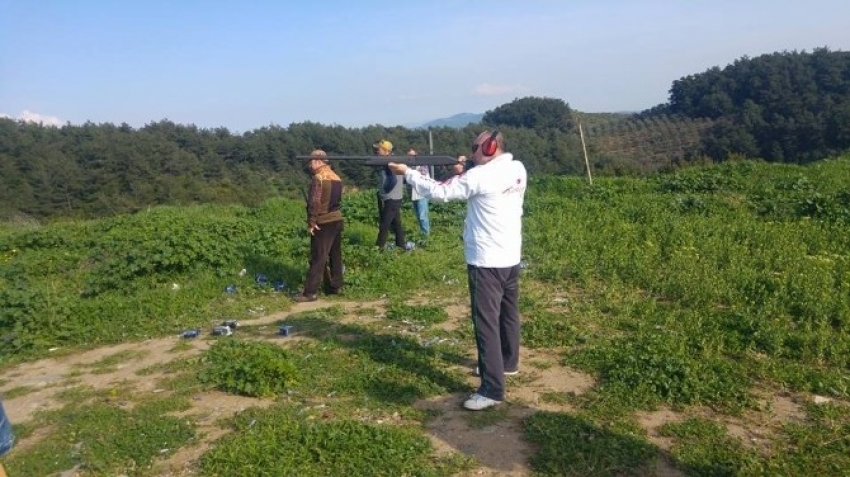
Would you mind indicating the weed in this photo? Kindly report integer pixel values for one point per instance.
(555, 398)
(703, 448)
(136, 438)
(576, 447)
(18, 391)
(489, 417)
(423, 314)
(249, 368)
(686, 289)
(283, 441)
(108, 364)
(180, 347)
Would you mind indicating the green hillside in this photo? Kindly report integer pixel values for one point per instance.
(709, 294)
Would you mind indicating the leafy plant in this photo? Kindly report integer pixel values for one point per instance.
(704, 449)
(136, 438)
(571, 446)
(249, 368)
(285, 442)
(424, 314)
(648, 369)
(686, 290)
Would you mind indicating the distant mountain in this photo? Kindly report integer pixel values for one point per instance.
(456, 121)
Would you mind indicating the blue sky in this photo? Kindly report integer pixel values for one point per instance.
(248, 64)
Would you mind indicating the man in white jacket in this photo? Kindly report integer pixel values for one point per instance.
(494, 189)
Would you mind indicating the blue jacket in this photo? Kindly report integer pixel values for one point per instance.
(391, 186)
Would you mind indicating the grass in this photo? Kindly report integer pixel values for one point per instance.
(573, 446)
(688, 292)
(283, 442)
(18, 391)
(494, 416)
(422, 314)
(110, 363)
(136, 438)
(248, 368)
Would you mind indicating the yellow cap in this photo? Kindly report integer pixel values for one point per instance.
(383, 144)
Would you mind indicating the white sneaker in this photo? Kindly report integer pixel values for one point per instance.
(507, 373)
(477, 402)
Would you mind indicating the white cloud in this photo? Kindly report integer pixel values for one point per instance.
(487, 89)
(31, 117)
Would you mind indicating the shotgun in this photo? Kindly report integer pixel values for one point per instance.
(411, 161)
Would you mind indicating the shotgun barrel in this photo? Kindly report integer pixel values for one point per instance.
(384, 160)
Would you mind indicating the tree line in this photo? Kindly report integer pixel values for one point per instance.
(94, 170)
(783, 107)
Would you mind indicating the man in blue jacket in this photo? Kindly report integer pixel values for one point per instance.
(390, 193)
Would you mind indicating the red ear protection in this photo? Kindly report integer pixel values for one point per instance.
(489, 146)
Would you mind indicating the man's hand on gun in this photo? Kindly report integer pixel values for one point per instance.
(459, 168)
(397, 169)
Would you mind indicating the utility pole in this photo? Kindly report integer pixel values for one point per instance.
(584, 148)
(430, 151)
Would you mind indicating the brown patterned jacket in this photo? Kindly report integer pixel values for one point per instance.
(324, 198)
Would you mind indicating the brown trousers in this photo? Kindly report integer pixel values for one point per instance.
(325, 251)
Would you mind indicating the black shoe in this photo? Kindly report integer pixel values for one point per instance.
(338, 291)
(304, 298)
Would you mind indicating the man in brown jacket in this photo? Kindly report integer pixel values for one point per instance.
(325, 224)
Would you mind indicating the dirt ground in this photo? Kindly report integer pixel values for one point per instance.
(499, 448)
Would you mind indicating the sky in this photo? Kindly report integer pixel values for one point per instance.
(249, 64)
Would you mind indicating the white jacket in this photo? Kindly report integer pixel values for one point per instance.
(492, 232)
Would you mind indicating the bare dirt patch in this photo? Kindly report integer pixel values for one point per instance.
(495, 440)
(651, 421)
(48, 377)
(498, 447)
(208, 409)
(541, 382)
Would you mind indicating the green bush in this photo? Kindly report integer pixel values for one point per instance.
(644, 369)
(283, 441)
(249, 368)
